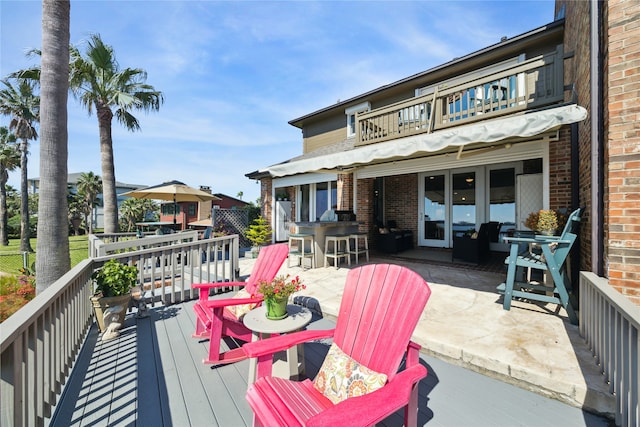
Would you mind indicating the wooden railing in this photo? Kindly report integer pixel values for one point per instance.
(39, 343)
(530, 84)
(609, 323)
(131, 242)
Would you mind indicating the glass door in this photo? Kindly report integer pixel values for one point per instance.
(502, 200)
(463, 202)
(433, 229)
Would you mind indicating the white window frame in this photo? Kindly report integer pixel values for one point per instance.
(351, 116)
(313, 200)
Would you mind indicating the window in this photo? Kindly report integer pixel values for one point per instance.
(168, 209)
(351, 117)
(317, 198)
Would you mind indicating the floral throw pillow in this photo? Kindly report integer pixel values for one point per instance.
(240, 310)
(340, 377)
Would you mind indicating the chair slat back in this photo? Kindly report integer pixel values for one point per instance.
(572, 223)
(269, 261)
(569, 234)
(380, 309)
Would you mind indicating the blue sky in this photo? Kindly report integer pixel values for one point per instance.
(234, 73)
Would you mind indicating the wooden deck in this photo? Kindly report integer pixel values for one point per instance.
(152, 375)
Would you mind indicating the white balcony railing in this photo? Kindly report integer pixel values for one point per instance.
(40, 342)
(529, 84)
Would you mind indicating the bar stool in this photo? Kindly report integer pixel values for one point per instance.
(357, 250)
(300, 250)
(339, 241)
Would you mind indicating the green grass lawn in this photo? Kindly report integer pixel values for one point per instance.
(11, 259)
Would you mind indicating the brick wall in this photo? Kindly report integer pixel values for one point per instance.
(620, 53)
(364, 212)
(622, 111)
(345, 191)
(560, 171)
(577, 76)
(265, 199)
(401, 201)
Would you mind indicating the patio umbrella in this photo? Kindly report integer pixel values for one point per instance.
(175, 191)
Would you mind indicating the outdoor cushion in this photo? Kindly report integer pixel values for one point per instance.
(340, 377)
(240, 310)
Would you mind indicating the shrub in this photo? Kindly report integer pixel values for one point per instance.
(15, 291)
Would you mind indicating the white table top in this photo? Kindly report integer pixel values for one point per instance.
(257, 321)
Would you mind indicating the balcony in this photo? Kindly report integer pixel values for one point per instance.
(153, 373)
(526, 85)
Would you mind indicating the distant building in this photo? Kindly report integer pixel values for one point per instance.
(229, 202)
(97, 216)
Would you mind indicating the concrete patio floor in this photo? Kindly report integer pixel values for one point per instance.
(532, 346)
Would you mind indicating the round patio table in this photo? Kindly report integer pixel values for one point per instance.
(286, 364)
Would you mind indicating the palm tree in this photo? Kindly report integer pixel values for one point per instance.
(89, 186)
(9, 160)
(24, 108)
(53, 233)
(136, 210)
(98, 82)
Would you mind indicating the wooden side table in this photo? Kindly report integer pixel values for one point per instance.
(286, 364)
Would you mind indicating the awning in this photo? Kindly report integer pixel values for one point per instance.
(524, 126)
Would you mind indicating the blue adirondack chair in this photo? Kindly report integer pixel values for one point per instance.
(551, 260)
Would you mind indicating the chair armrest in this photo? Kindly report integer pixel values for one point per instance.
(226, 302)
(283, 342)
(204, 288)
(542, 240)
(521, 240)
(373, 407)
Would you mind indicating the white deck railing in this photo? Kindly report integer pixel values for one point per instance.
(529, 84)
(609, 323)
(39, 343)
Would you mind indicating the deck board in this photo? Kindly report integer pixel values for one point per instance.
(153, 375)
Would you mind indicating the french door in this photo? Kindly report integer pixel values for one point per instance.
(433, 229)
(457, 201)
(449, 205)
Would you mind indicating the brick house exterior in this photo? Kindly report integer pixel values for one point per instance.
(609, 148)
(591, 162)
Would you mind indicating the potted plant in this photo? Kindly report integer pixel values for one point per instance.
(113, 283)
(259, 234)
(544, 221)
(276, 294)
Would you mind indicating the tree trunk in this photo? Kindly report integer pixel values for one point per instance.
(52, 260)
(108, 170)
(25, 244)
(87, 223)
(4, 235)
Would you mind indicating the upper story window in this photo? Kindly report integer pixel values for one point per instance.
(351, 117)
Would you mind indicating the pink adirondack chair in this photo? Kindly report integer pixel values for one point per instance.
(215, 320)
(380, 308)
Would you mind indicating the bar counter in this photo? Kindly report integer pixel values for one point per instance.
(320, 229)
